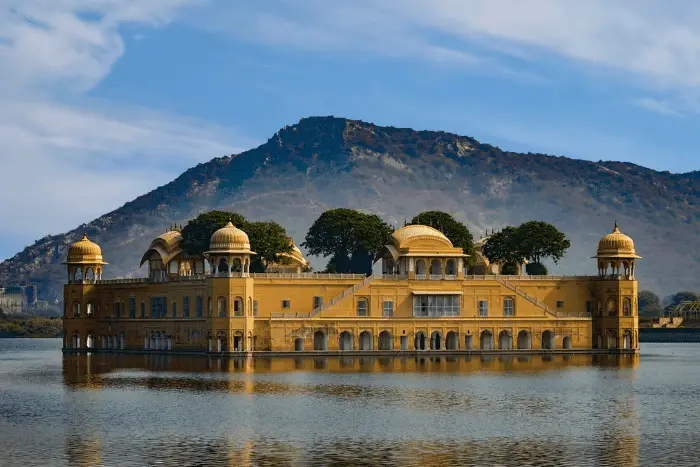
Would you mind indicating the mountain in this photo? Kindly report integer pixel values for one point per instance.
(325, 162)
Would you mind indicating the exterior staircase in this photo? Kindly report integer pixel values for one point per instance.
(338, 298)
(527, 297)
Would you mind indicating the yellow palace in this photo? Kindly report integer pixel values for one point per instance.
(425, 300)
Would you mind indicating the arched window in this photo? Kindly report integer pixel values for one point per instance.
(76, 309)
(362, 307)
(508, 306)
(238, 306)
(420, 268)
(612, 307)
(436, 269)
(88, 309)
(221, 306)
(345, 341)
(250, 306)
(89, 274)
(450, 268)
(626, 307)
(223, 266)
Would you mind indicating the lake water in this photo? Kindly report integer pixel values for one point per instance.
(156, 410)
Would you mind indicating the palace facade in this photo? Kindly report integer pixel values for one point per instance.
(426, 298)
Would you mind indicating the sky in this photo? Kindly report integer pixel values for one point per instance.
(104, 100)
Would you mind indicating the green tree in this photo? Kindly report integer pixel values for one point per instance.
(649, 303)
(456, 231)
(350, 237)
(510, 269)
(536, 269)
(197, 233)
(503, 247)
(269, 241)
(540, 240)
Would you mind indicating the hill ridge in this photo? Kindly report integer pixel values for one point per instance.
(322, 162)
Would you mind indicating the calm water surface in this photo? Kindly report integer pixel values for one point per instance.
(156, 410)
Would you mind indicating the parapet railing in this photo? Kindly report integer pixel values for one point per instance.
(305, 275)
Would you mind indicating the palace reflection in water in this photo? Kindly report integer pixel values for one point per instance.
(342, 394)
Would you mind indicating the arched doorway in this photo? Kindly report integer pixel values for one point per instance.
(486, 340)
(146, 342)
(468, 342)
(90, 341)
(627, 339)
(451, 341)
(548, 340)
(345, 341)
(420, 341)
(163, 340)
(320, 341)
(386, 341)
(76, 341)
(505, 340)
(450, 268)
(566, 343)
(238, 341)
(612, 339)
(298, 344)
(436, 341)
(366, 340)
(524, 340)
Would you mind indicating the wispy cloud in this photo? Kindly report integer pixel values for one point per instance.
(67, 158)
(663, 107)
(646, 44)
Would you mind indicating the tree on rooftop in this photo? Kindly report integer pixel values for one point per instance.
(502, 247)
(198, 231)
(350, 237)
(269, 241)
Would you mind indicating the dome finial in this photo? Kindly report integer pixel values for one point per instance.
(616, 229)
(84, 235)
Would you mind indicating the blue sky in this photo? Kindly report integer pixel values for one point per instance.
(103, 100)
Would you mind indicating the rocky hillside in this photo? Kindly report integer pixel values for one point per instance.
(325, 162)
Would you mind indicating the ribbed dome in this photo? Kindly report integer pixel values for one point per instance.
(412, 231)
(616, 244)
(229, 239)
(85, 251)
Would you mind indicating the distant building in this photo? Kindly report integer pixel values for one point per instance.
(424, 300)
(20, 299)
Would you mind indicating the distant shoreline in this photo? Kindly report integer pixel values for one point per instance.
(669, 335)
(37, 327)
